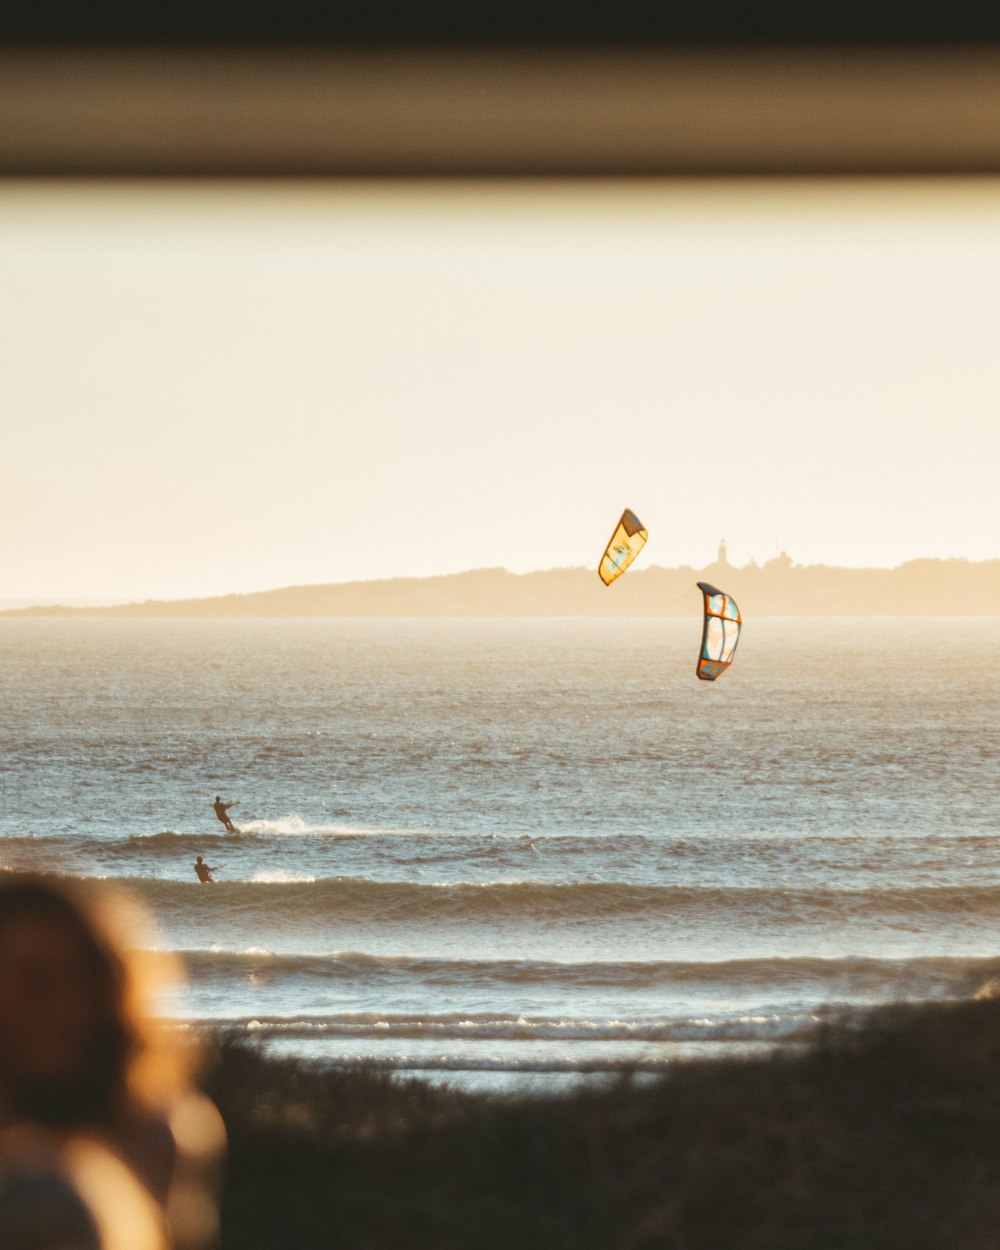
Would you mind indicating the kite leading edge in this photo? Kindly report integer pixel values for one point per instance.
(626, 542)
(720, 633)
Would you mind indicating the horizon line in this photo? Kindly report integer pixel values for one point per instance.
(782, 560)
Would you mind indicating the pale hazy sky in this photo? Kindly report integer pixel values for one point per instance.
(209, 388)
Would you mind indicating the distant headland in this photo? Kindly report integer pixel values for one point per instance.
(780, 587)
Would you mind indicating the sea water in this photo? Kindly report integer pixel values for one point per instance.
(521, 846)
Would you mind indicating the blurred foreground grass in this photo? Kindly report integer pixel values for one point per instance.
(885, 1132)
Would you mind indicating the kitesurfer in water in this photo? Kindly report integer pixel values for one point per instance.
(222, 811)
(205, 872)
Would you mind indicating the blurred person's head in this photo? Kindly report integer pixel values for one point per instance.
(81, 1052)
(75, 1035)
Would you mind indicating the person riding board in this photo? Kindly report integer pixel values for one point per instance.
(222, 811)
(205, 872)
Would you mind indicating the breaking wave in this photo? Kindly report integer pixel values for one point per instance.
(496, 902)
(839, 977)
(501, 1027)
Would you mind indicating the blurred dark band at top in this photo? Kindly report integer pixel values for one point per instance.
(516, 89)
(497, 23)
(496, 112)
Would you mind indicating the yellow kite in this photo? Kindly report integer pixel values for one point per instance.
(626, 542)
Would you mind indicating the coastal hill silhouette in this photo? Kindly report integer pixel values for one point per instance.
(779, 587)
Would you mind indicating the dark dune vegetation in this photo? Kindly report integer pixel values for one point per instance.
(883, 1132)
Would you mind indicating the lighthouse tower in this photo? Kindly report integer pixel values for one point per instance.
(723, 562)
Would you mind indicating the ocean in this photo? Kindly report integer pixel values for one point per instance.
(507, 849)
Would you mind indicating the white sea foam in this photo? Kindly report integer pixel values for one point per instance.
(297, 826)
(282, 876)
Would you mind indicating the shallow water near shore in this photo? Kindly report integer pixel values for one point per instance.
(530, 847)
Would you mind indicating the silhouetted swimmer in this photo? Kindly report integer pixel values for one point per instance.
(105, 1141)
(222, 811)
(204, 871)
